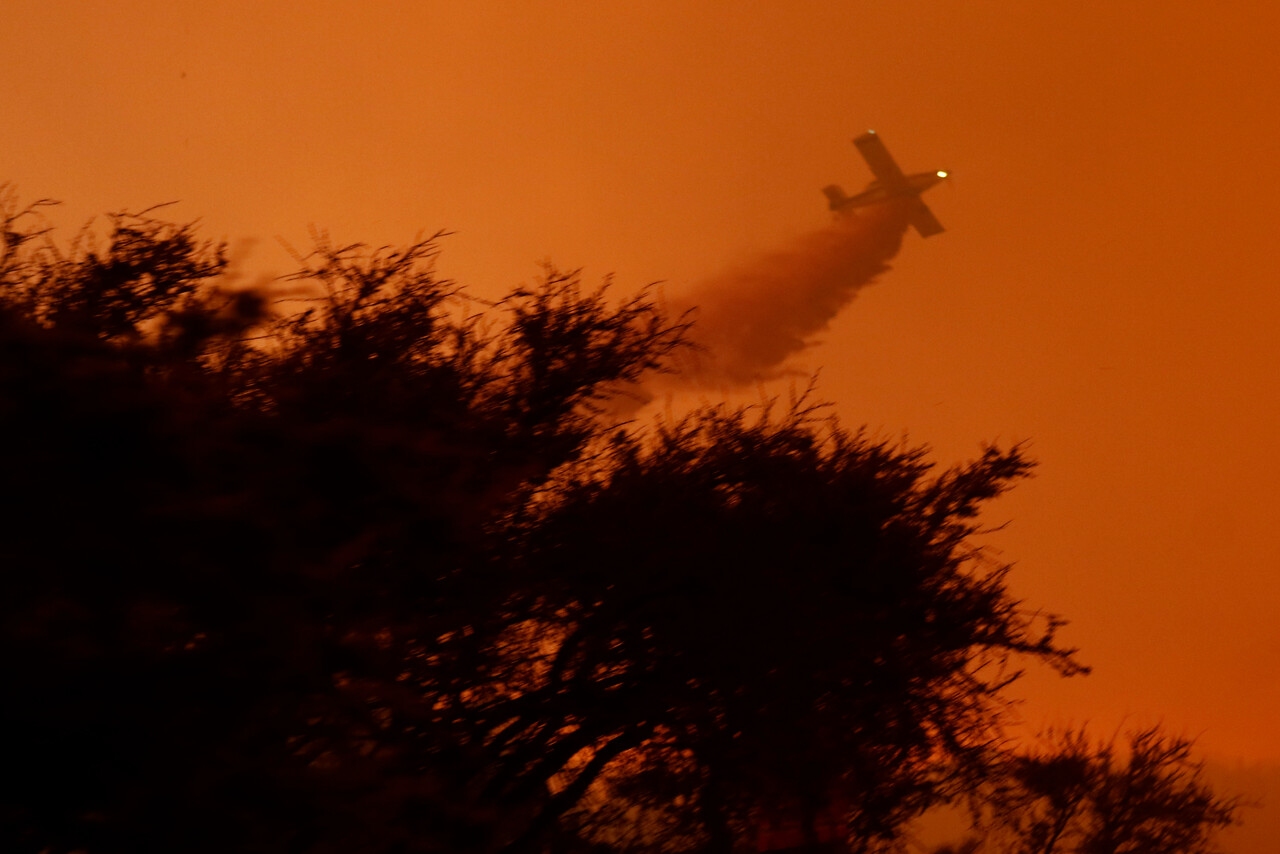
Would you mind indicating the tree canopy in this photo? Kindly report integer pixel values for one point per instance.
(1076, 796)
(364, 565)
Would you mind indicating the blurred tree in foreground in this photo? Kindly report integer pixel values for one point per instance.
(379, 575)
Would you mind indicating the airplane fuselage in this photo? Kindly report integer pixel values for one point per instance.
(890, 183)
(877, 191)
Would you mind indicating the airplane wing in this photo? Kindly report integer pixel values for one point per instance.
(879, 159)
(923, 220)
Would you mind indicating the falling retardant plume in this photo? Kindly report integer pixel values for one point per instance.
(749, 319)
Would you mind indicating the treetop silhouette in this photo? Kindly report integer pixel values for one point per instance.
(380, 574)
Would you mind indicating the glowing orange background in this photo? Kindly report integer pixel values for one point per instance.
(1108, 287)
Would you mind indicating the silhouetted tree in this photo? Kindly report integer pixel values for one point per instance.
(225, 530)
(1075, 796)
(377, 575)
(773, 620)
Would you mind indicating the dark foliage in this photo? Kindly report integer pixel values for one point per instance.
(222, 525)
(372, 571)
(1074, 796)
(775, 620)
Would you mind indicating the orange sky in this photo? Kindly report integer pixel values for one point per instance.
(1107, 286)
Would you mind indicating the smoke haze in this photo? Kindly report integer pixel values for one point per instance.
(749, 319)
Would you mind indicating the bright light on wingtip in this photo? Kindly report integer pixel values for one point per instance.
(942, 174)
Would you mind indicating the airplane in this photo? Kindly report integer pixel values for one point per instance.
(890, 183)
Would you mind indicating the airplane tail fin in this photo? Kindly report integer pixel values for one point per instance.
(835, 196)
